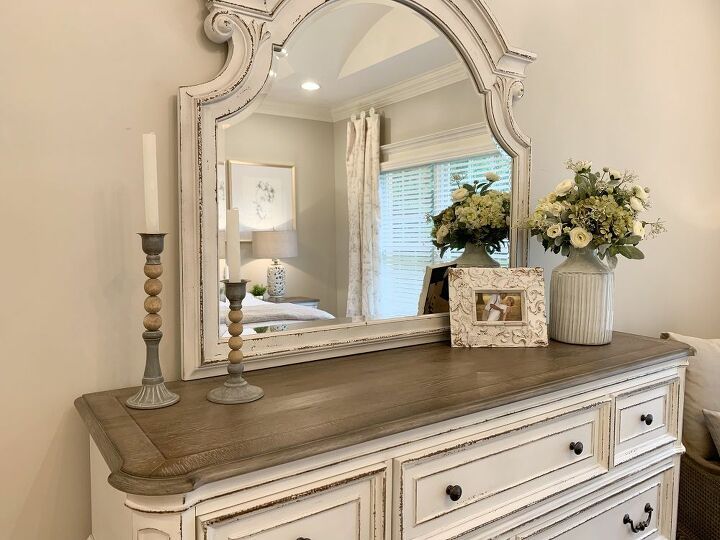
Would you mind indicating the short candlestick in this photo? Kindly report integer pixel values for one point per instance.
(153, 394)
(235, 389)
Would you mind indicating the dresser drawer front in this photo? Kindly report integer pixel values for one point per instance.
(644, 420)
(501, 473)
(352, 511)
(605, 519)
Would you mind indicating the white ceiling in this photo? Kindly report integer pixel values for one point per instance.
(354, 49)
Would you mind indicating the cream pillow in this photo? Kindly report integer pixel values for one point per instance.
(712, 419)
(702, 391)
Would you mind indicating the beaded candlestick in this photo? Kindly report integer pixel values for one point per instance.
(236, 389)
(152, 394)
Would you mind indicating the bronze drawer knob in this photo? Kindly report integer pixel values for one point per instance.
(647, 418)
(641, 525)
(455, 492)
(577, 447)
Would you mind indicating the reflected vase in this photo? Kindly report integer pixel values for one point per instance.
(581, 299)
(476, 255)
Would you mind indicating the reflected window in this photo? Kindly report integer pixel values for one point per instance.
(407, 196)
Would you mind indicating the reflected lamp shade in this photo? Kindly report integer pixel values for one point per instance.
(275, 245)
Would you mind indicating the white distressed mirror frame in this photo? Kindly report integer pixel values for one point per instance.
(253, 30)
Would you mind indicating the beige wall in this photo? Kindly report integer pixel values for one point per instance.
(452, 106)
(633, 85)
(307, 144)
(80, 84)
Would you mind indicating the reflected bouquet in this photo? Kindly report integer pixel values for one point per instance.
(478, 215)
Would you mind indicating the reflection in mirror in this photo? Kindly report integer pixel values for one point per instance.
(368, 124)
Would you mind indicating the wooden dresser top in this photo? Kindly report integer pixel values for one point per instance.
(330, 404)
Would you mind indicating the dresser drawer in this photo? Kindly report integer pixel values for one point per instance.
(646, 507)
(644, 420)
(488, 476)
(351, 509)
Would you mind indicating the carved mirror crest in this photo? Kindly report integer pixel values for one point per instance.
(336, 129)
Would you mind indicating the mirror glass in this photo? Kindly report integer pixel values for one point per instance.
(368, 124)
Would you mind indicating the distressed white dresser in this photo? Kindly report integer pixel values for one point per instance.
(424, 442)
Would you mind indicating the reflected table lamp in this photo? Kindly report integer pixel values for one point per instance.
(275, 245)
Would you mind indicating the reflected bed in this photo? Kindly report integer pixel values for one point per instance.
(260, 316)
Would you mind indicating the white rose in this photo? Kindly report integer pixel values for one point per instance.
(639, 228)
(639, 192)
(564, 187)
(556, 209)
(554, 230)
(491, 177)
(615, 175)
(460, 194)
(441, 233)
(582, 166)
(636, 204)
(579, 237)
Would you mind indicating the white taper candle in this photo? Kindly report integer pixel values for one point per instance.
(232, 244)
(152, 213)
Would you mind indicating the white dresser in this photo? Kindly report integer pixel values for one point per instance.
(565, 442)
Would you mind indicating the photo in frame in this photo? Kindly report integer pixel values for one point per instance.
(497, 307)
(435, 294)
(264, 195)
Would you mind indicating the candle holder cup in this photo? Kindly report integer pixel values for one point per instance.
(153, 394)
(235, 389)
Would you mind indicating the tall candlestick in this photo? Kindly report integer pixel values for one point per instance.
(152, 215)
(232, 244)
(152, 394)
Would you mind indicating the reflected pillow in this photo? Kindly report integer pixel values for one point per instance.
(702, 391)
(251, 300)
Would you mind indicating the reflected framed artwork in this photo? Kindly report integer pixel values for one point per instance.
(497, 307)
(264, 194)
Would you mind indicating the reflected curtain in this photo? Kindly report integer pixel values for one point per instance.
(362, 160)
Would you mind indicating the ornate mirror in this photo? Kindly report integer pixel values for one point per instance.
(331, 137)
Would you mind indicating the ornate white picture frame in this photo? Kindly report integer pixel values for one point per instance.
(497, 307)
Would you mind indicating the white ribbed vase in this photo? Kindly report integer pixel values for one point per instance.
(581, 300)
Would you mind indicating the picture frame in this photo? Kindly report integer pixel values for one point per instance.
(497, 307)
(435, 293)
(264, 194)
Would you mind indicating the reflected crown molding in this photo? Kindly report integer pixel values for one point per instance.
(295, 110)
(410, 88)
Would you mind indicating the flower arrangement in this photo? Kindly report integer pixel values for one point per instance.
(597, 209)
(478, 215)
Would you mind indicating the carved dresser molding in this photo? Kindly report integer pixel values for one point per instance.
(423, 442)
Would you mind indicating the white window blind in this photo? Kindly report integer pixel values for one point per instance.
(407, 196)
